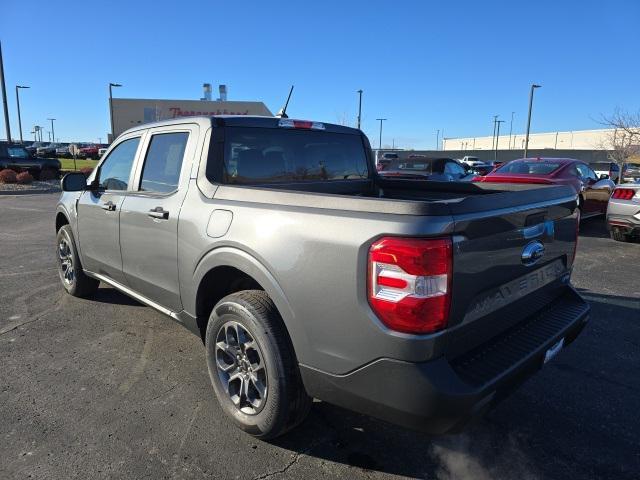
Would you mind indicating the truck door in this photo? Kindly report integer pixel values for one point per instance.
(99, 211)
(149, 216)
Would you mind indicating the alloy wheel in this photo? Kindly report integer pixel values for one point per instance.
(241, 368)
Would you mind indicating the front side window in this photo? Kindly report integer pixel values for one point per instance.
(265, 155)
(586, 172)
(161, 171)
(115, 171)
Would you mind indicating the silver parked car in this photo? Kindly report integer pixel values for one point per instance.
(623, 212)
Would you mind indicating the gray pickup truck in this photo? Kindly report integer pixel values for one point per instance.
(308, 275)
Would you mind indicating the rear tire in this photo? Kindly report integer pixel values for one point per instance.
(618, 236)
(73, 278)
(253, 367)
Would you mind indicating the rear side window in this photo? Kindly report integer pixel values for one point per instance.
(261, 155)
(161, 170)
(115, 170)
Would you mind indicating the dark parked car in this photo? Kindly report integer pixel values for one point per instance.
(594, 191)
(47, 150)
(16, 157)
(439, 169)
(631, 172)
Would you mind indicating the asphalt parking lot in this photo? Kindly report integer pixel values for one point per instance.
(109, 388)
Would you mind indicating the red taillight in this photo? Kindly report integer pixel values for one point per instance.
(624, 193)
(305, 124)
(409, 283)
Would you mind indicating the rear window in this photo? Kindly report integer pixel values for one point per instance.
(530, 168)
(260, 155)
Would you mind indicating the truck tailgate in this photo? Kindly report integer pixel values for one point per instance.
(496, 283)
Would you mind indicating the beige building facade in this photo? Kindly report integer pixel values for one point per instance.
(129, 112)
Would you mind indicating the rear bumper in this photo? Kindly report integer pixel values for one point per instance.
(442, 395)
(624, 215)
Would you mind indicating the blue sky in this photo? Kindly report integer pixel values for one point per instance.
(423, 65)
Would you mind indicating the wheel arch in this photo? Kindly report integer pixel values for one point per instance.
(226, 270)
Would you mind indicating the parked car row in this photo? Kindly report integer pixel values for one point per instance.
(16, 157)
(64, 150)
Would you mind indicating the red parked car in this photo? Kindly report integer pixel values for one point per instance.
(89, 151)
(593, 192)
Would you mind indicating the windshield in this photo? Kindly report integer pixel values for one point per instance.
(421, 166)
(260, 155)
(533, 167)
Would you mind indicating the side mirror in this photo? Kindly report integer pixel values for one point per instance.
(73, 182)
(604, 176)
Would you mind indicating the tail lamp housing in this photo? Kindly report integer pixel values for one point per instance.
(624, 193)
(409, 283)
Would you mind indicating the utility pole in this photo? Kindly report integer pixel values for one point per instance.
(4, 98)
(511, 129)
(526, 140)
(438, 140)
(493, 138)
(380, 141)
(359, 108)
(495, 152)
(111, 85)
(18, 87)
(53, 132)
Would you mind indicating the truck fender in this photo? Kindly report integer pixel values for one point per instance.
(248, 264)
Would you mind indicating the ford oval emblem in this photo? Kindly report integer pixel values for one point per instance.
(532, 252)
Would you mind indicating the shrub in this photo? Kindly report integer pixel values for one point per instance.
(47, 174)
(24, 178)
(86, 170)
(7, 176)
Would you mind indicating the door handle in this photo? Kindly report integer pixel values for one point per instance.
(158, 212)
(109, 206)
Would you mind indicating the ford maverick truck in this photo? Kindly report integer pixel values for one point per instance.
(309, 275)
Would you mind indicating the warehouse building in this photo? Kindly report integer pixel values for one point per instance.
(571, 140)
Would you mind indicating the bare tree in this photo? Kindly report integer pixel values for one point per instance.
(623, 140)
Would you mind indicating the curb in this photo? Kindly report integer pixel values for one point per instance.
(28, 192)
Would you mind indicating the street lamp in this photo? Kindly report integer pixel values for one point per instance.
(495, 152)
(380, 141)
(511, 129)
(18, 87)
(526, 140)
(438, 139)
(359, 108)
(111, 85)
(53, 132)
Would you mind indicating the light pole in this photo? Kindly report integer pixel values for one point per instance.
(495, 152)
(359, 108)
(438, 139)
(111, 85)
(493, 137)
(18, 87)
(380, 140)
(53, 132)
(511, 129)
(4, 98)
(526, 140)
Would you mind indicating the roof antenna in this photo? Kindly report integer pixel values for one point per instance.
(283, 111)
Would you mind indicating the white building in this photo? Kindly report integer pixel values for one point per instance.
(573, 140)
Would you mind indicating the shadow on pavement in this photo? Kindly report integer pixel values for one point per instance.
(594, 227)
(506, 443)
(111, 295)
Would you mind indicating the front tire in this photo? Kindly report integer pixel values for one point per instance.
(73, 278)
(619, 236)
(252, 365)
